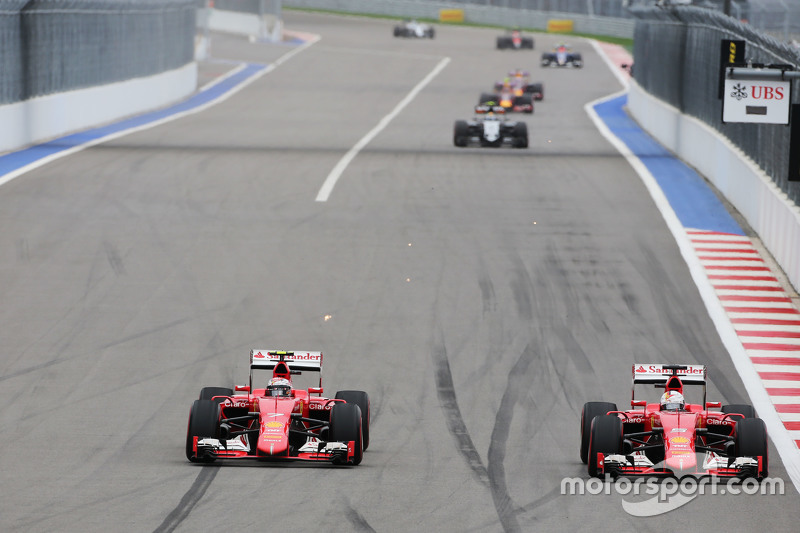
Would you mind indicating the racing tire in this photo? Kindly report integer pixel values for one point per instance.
(461, 133)
(743, 409)
(520, 135)
(346, 426)
(750, 440)
(501, 43)
(591, 410)
(431, 33)
(487, 97)
(527, 43)
(526, 99)
(206, 393)
(361, 399)
(537, 89)
(577, 60)
(604, 437)
(203, 423)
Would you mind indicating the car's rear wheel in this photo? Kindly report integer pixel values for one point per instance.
(591, 410)
(520, 135)
(203, 423)
(750, 440)
(604, 437)
(460, 133)
(743, 409)
(346, 426)
(361, 399)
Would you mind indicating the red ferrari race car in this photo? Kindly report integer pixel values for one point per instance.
(673, 437)
(278, 422)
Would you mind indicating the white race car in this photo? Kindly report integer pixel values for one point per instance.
(490, 128)
(413, 28)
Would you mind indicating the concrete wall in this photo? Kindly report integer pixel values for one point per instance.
(39, 119)
(771, 214)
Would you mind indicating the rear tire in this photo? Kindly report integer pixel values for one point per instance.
(203, 423)
(591, 410)
(743, 409)
(520, 135)
(750, 440)
(605, 437)
(346, 426)
(461, 133)
(361, 399)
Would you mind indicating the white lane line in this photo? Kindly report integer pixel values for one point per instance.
(330, 182)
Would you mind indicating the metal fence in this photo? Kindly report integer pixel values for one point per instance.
(677, 58)
(50, 46)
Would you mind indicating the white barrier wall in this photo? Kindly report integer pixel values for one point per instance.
(39, 119)
(768, 210)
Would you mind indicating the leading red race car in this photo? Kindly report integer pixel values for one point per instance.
(672, 437)
(279, 422)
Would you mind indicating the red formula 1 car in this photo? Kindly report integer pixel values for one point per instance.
(278, 422)
(672, 437)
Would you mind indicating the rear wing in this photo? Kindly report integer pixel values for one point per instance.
(297, 360)
(660, 374)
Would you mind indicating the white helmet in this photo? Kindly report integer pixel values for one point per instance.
(672, 401)
(279, 387)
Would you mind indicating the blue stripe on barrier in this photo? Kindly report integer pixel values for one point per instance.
(17, 160)
(691, 198)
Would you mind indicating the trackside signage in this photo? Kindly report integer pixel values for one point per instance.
(761, 101)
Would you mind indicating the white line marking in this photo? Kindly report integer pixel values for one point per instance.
(336, 173)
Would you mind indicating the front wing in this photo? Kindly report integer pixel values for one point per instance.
(712, 465)
(314, 450)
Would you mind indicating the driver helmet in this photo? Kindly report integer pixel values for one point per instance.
(672, 401)
(279, 387)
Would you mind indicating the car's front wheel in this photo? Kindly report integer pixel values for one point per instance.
(203, 423)
(605, 437)
(346, 426)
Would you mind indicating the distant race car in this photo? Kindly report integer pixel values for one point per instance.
(562, 56)
(509, 100)
(412, 28)
(514, 40)
(490, 128)
(276, 421)
(518, 83)
(673, 437)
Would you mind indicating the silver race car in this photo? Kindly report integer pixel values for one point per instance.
(490, 128)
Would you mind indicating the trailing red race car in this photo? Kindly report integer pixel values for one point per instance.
(672, 437)
(279, 422)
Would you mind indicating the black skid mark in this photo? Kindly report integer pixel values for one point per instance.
(189, 500)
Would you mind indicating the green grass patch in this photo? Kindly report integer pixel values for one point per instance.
(622, 41)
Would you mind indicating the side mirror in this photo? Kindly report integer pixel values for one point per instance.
(638, 403)
(242, 388)
(315, 390)
(713, 405)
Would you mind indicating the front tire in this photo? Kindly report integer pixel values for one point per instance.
(589, 411)
(520, 135)
(346, 426)
(361, 399)
(605, 437)
(750, 440)
(203, 423)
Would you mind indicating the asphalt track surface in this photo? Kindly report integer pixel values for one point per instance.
(480, 296)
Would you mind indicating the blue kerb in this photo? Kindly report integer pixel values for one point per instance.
(693, 201)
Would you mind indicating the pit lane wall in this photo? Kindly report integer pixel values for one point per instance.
(767, 209)
(72, 64)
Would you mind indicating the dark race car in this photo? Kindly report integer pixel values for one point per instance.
(562, 56)
(490, 128)
(514, 40)
(672, 437)
(413, 28)
(276, 421)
